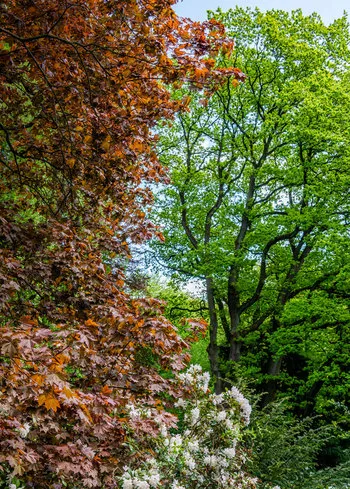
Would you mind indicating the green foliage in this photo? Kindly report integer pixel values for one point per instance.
(258, 211)
(286, 451)
(258, 207)
(181, 305)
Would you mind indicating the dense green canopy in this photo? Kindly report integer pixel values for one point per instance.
(258, 207)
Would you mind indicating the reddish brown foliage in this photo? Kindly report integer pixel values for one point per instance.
(82, 85)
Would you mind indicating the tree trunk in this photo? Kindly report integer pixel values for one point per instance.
(273, 370)
(235, 346)
(235, 316)
(213, 350)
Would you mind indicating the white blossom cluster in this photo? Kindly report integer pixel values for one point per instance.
(195, 377)
(237, 396)
(136, 413)
(205, 454)
(244, 405)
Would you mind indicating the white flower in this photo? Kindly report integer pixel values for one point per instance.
(176, 485)
(193, 377)
(195, 415)
(229, 452)
(245, 407)
(180, 403)
(210, 460)
(221, 416)
(140, 484)
(12, 486)
(163, 430)
(222, 462)
(206, 376)
(217, 399)
(127, 484)
(224, 477)
(133, 411)
(195, 368)
(234, 392)
(176, 440)
(203, 381)
(189, 461)
(229, 424)
(193, 446)
(175, 443)
(154, 480)
(246, 410)
(23, 431)
(186, 378)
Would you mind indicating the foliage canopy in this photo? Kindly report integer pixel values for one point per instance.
(82, 87)
(258, 207)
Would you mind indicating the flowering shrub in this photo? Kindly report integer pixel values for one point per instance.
(206, 452)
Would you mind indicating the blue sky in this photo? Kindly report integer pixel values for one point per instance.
(328, 9)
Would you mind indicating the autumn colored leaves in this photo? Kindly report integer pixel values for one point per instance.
(82, 86)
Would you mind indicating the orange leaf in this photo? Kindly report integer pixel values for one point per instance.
(69, 393)
(90, 322)
(86, 412)
(49, 401)
(106, 143)
(62, 358)
(38, 379)
(106, 390)
(71, 162)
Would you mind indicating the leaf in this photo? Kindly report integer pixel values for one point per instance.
(106, 390)
(49, 401)
(71, 162)
(90, 322)
(38, 379)
(69, 393)
(9, 349)
(86, 412)
(106, 143)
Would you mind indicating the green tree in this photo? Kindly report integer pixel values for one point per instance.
(258, 205)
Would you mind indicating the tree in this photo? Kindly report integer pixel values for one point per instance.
(82, 87)
(258, 206)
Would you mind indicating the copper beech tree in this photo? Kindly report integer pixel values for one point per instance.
(82, 84)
